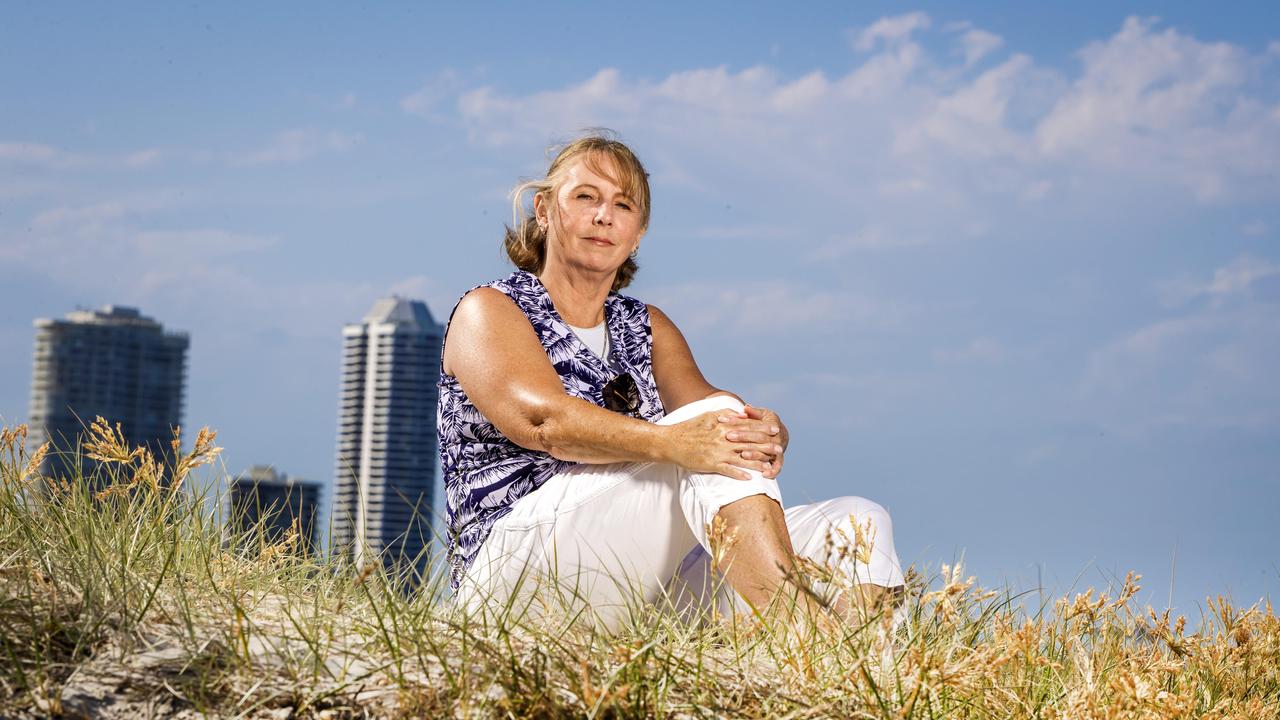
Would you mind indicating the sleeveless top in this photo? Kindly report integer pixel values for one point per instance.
(484, 472)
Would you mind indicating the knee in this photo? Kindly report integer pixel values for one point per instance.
(852, 509)
(861, 522)
(860, 541)
(698, 407)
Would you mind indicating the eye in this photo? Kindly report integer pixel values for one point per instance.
(623, 206)
(586, 196)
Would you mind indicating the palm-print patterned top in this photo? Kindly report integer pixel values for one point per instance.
(484, 472)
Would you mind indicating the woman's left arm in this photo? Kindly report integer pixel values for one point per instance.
(680, 382)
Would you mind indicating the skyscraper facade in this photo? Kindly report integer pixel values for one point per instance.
(386, 464)
(113, 362)
(264, 498)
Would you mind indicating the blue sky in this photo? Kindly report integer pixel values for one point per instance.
(1012, 271)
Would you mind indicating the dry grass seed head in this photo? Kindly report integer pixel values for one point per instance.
(9, 437)
(275, 551)
(203, 453)
(721, 540)
(107, 444)
(8, 440)
(33, 465)
(864, 539)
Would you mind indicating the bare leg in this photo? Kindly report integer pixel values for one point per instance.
(758, 562)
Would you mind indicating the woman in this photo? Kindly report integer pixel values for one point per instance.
(580, 442)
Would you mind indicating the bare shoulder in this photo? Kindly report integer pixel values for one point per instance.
(664, 329)
(483, 300)
(482, 316)
(659, 320)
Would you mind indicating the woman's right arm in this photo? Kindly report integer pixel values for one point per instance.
(502, 367)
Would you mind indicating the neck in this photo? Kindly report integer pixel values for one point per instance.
(578, 297)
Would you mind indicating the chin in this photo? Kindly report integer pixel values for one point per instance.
(603, 268)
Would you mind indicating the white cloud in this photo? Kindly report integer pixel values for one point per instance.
(143, 158)
(65, 223)
(39, 155)
(883, 74)
(1163, 104)
(1205, 369)
(972, 121)
(433, 99)
(1232, 282)
(737, 309)
(186, 246)
(50, 158)
(868, 238)
(1255, 228)
(921, 145)
(427, 289)
(1239, 276)
(110, 252)
(297, 145)
(976, 44)
(88, 218)
(890, 30)
(1211, 365)
(98, 244)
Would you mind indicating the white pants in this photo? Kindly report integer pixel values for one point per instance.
(619, 536)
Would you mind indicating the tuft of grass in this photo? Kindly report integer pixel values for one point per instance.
(122, 595)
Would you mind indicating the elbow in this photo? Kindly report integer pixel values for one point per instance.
(539, 436)
(541, 426)
(546, 436)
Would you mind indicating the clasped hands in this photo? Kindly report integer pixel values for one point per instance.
(730, 443)
(763, 428)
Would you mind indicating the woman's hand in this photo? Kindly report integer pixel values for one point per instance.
(760, 426)
(724, 442)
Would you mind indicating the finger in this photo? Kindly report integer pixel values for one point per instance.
(756, 455)
(742, 464)
(750, 436)
(752, 425)
(732, 471)
(728, 416)
(775, 468)
(764, 449)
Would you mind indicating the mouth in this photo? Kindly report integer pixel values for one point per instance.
(599, 241)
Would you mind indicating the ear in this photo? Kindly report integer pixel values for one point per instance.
(540, 208)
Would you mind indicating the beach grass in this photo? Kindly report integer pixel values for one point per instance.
(124, 595)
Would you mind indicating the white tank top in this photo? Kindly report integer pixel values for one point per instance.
(595, 338)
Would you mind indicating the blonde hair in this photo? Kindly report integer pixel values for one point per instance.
(526, 243)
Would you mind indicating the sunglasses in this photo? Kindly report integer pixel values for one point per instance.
(621, 395)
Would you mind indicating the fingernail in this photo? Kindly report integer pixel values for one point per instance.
(732, 436)
(774, 428)
(777, 448)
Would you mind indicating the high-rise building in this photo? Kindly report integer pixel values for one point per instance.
(386, 462)
(279, 504)
(112, 362)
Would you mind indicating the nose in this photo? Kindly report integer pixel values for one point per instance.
(604, 214)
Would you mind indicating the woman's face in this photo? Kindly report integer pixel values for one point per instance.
(591, 222)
